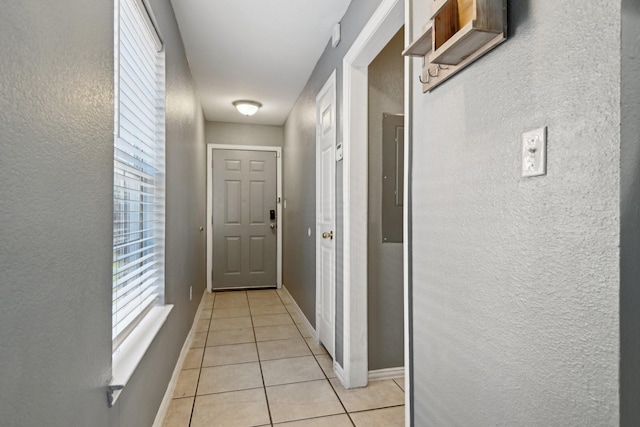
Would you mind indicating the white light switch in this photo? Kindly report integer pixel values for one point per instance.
(534, 153)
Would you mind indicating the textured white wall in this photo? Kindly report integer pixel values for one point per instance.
(515, 281)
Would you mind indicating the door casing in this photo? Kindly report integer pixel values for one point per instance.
(209, 226)
(381, 27)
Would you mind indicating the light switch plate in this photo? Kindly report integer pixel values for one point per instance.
(534, 153)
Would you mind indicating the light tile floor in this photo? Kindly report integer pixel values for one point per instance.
(253, 363)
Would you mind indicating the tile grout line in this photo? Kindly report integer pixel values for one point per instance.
(230, 391)
(376, 409)
(334, 391)
(319, 417)
(195, 393)
(341, 403)
(256, 346)
(394, 380)
(305, 342)
(288, 312)
(264, 386)
(315, 357)
(323, 371)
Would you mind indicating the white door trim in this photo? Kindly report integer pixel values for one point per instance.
(278, 151)
(383, 25)
(406, 245)
(330, 85)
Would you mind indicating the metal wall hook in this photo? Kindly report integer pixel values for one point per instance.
(433, 74)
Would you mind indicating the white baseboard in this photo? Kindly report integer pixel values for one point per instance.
(386, 374)
(306, 322)
(168, 395)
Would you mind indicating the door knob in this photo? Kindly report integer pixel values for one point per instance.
(273, 226)
(328, 235)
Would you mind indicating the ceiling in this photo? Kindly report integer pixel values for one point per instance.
(262, 50)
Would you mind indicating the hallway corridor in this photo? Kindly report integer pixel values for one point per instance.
(253, 362)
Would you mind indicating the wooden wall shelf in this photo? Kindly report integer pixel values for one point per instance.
(460, 32)
(422, 45)
(437, 6)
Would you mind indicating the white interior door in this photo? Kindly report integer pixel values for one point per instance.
(325, 214)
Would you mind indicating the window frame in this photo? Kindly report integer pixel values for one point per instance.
(139, 168)
(129, 352)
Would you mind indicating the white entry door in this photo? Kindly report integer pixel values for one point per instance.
(325, 214)
(244, 219)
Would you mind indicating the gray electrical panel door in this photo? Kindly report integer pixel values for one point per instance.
(393, 177)
(244, 221)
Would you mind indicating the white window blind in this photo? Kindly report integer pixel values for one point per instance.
(139, 169)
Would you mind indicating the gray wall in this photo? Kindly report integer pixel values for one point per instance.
(244, 134)
(185, 243)
(385, 290)
(56, 132)
(630, 216)
(299, 175)
(515, 281)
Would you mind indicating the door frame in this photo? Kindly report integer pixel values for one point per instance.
(330, 85)
(278, 152)
(382, 26)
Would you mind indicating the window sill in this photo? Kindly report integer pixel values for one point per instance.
(128, 356)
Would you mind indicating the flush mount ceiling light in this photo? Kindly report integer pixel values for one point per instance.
(248, 108)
